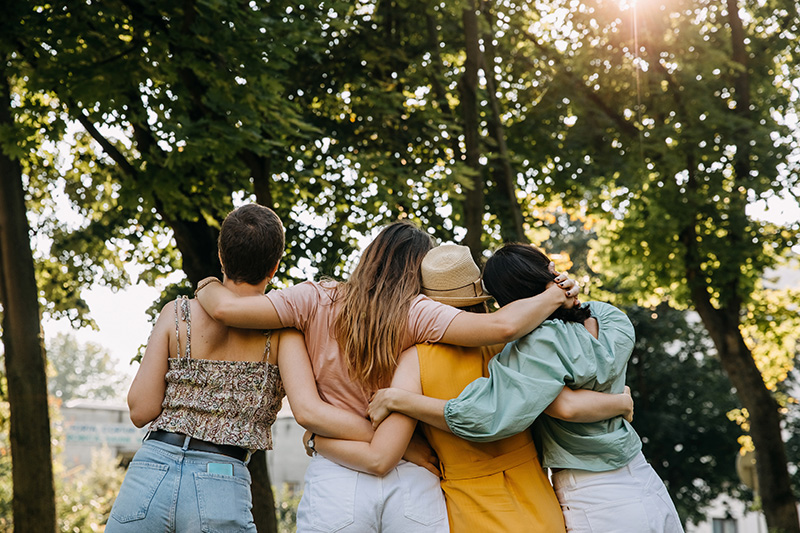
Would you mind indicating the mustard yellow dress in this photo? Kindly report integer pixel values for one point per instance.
(490, 486)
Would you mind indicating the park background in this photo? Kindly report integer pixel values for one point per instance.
(651, 145)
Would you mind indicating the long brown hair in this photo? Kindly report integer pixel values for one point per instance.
(373, 316)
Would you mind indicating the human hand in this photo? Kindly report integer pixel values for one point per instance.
(421, 454)
(204, 282)
(629, 414)
(570, 286)
(380, 406)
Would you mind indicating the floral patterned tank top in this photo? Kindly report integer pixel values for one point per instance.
(224, 402)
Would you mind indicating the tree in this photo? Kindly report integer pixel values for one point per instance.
(682, 397)
(82, 370)
(671, 168)
(356, 112)
(34, 499)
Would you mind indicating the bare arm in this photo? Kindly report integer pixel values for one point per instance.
(223, 305)
(148, 387)
(391, 439)
(308, 408)
(512, 321)
(590, 406)
(414, 404)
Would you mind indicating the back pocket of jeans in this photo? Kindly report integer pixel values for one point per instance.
(331, 500)
(625, 516)
(422, 491)
(137, 491)
(225, 503)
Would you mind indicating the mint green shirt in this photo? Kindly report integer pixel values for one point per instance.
(528, 375)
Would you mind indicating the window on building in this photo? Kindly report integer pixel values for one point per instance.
(724, 525)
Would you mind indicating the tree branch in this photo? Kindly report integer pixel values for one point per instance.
(112, 151)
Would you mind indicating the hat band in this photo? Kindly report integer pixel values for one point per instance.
(476, 286)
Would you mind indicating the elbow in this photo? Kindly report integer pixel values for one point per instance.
(507, 332)
(380, 466)
(140, 414)
(302, 419)
(302, 414)
(563, 411)
(220, 313)
(139, 419)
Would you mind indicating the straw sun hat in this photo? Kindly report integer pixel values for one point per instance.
(450, 276)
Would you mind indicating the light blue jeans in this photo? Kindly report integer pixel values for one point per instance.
(168, 489)
(408, 499)
(631, 499)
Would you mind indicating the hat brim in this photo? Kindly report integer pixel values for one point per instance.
(459, 301)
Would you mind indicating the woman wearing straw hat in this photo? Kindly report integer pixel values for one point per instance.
(498, 486)
(601, 478)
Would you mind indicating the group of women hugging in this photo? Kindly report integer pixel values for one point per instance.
(500, 397)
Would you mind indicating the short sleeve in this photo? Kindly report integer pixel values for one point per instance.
(428, 319)
(296, 305)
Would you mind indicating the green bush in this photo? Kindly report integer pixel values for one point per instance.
(286, 503)
(84, 495)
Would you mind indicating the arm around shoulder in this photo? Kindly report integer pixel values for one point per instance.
(590, 406)
(224, 305)
(505, 325)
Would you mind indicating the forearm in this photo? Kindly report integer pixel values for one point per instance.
(589, 406)
(376, 457)
(326, 420)
(524, 315)
(509, 323)
(361, 456)
(225, 306)
(423, 408)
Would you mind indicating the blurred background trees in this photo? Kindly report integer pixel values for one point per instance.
(655, 126)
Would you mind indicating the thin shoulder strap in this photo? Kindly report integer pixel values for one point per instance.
(265, 357)
(186, 316)
(267, 346)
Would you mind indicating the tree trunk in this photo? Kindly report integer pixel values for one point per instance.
(508, 209)
(263, 498)
(774, 483)
(197, 242)
(780, 507)
(468, 86)
(32, 461)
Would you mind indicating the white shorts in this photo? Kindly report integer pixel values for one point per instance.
(631, 499)
(408, 499)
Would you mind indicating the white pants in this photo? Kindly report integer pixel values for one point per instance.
(337, 499)
(631, 499)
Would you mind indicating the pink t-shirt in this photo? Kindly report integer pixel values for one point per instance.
(309, 307)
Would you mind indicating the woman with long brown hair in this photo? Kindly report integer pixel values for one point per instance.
(355, 332)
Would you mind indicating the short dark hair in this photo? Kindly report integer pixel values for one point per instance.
(518, 271)
(250, 243)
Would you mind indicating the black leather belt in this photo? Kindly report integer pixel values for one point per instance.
(176, 439)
